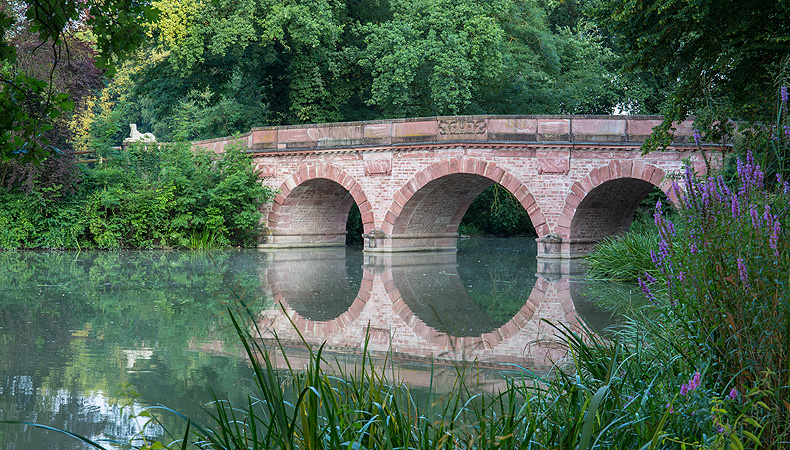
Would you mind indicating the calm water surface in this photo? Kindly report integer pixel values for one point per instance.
(88, 339)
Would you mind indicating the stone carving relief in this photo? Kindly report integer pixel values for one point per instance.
(378, 167)
(461, 126)
(553, 166)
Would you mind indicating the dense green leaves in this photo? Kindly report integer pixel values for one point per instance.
(219, 68)
(145, 197)
(725, 55)
(31, 102)
(433, 57)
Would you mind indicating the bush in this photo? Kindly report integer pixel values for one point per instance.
(623, 258)
(148, 196)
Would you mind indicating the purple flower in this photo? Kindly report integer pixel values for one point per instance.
(787, 131)
(670, 227)
(767, 217)
(736, 207)
(655, 259)
(754, 215)
(783, 93)
(697, 137)
(774, 239)
(646, 290)
(684, 390)
(733, 394)
(649, 278)
(742, 273)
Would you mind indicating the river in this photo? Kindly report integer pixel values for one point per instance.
(89, 339)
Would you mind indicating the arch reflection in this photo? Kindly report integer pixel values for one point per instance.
(416, 306)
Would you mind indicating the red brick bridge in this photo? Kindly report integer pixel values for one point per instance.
(580, 178)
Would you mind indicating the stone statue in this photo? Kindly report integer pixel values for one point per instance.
(137, 136)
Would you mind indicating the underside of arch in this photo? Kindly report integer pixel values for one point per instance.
(312, 208)
(602, 204)
(608, 209)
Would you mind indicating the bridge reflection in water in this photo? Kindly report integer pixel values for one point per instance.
(417, 307)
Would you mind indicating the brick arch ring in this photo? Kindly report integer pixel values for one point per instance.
(328, 172)
(473, 166)
(614, 170)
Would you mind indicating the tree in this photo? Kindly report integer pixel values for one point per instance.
(724, 55)
(433, 57)
(31, 103)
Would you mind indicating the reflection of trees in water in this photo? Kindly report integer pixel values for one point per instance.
(67, 322)
(602, 303)
(436, 295)
(498, 274)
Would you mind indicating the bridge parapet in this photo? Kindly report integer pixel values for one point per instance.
(550, 130)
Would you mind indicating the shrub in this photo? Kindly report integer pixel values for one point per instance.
(148, 196)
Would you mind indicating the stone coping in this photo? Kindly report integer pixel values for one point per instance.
(547, 129)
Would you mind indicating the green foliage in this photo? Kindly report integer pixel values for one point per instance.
(725, 275)
(163, 196)
(30, 102)
(723, 54)
(432, 58)
(624, 258)
(496, 212)
(219, 68)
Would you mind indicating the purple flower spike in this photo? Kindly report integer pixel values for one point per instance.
(773, 241)
(646, 290)
(697, 137)
(733, 394)
(783, 92)
(736, 208)
(742, 273)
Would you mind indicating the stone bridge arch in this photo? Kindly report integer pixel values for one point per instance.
(604, 201)
(311, 208)
(426, 211)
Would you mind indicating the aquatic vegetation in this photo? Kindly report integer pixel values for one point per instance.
(725, 277)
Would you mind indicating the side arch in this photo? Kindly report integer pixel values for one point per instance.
(604, 201)
(413, 211)
(311, 208)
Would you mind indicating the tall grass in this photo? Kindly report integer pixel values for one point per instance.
(624, 258)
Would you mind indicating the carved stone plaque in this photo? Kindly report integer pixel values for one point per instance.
(559, 166)
(461, 126)
(378, 167)
(265, 170)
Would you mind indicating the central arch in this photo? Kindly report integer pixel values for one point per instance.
(426, 211)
